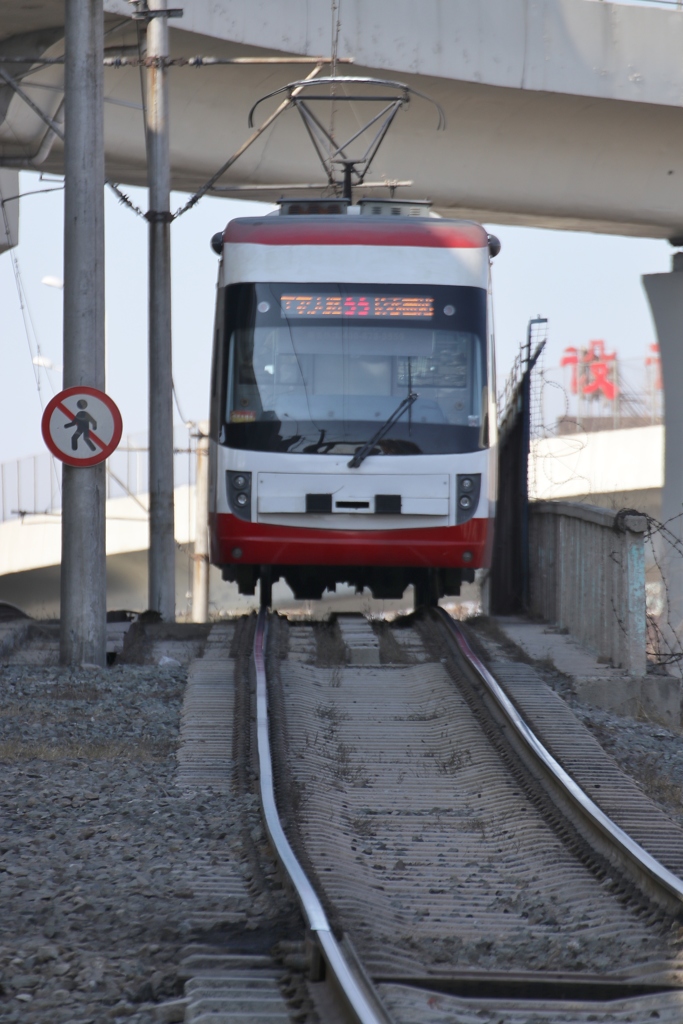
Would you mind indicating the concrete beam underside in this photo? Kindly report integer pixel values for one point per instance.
(507, 156)
(560, 113)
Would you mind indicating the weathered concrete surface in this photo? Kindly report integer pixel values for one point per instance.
(654, 698)
(571, 47)
(587, 575)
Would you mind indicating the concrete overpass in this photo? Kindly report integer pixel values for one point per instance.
(560, 113)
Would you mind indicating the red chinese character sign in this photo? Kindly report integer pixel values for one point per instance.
(593, 371)
(82, 426)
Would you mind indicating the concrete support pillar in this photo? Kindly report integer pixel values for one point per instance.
(9, 221)
(161, 510)
(83, 597)
(200, 580)
(665, 294)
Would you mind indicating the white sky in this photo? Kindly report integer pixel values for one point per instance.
(587, 285)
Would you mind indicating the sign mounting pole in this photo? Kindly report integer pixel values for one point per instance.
(161, 511)
(83, 632)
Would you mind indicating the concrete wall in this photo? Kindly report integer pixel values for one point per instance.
(587, 575)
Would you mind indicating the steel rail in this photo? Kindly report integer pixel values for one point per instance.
(635, 854)
(365, 1012)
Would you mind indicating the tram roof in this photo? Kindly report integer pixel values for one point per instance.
(425, 232)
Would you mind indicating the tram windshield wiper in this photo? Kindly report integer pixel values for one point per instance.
(365, 450)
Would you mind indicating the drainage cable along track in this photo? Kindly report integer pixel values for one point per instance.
(363, 1009)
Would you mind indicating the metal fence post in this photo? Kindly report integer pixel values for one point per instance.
(634, 629)
(200, 582)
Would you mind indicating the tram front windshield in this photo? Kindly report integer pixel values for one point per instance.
(320, 368)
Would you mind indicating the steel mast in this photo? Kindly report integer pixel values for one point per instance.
(83, 597)
(161, 510)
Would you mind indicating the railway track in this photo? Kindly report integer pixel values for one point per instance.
(449, 866)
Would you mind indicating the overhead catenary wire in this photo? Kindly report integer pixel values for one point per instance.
(143, 91)
(208, 186)
(192, 62)
(245, 145)
(177, 403)
(197, 61)
(300, 186)
(49, 121)
(32, 192)
(336, 26)
(124, 199)
(122, 196)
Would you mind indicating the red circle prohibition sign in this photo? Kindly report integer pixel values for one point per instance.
(81, 426)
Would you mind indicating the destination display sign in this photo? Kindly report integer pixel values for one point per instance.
(323, 305)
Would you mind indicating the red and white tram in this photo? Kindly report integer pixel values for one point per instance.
(353, 420)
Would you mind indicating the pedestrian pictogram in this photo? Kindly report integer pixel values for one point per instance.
(82, 421)
(81, 426)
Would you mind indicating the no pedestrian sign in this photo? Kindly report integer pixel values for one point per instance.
(81, 426)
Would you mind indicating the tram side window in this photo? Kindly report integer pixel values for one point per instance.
(243, 399)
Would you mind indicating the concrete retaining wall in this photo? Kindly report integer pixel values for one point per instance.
(587, 574)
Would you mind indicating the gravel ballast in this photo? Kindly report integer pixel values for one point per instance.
(99, 847)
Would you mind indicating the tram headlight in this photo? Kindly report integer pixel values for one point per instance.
(238, 487)
(467, 488)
